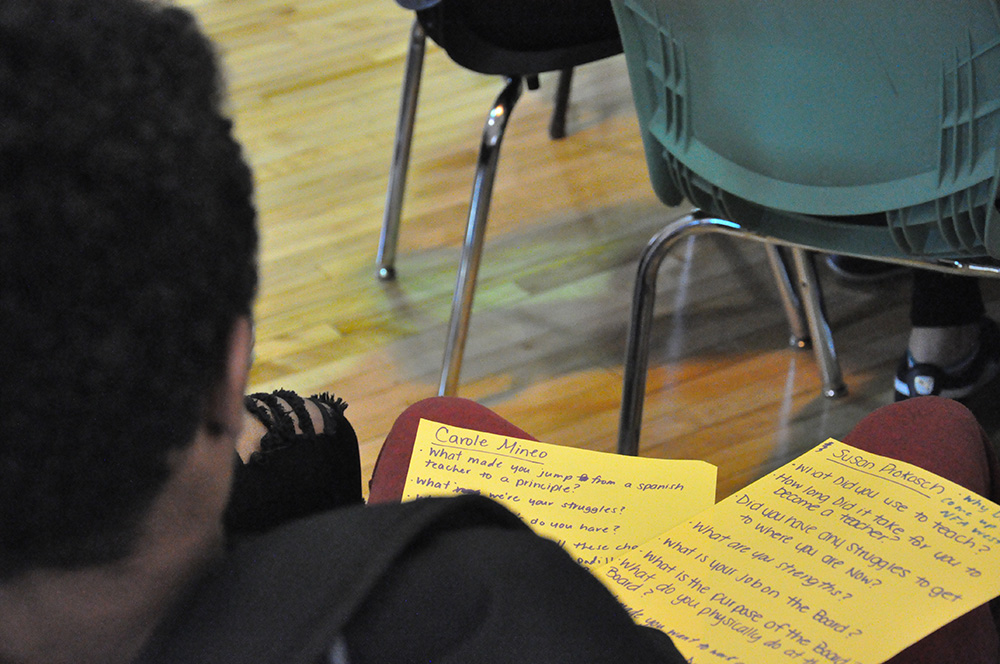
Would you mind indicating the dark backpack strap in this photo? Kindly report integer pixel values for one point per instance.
(283, 597)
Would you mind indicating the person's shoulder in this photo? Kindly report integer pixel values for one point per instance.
(403, 519)
(297, 585)
(538, 599)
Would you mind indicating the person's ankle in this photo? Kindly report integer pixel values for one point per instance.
(943, 346)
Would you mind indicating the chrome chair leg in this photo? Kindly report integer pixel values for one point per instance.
(784, 270)
(472, 249)
(640, 322)
(386, 259)
(819, 329)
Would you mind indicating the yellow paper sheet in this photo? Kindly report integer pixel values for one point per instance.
(596, 505)
(839, 557)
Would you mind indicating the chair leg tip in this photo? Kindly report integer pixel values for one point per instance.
(835, 391)
(799, 343)
(387, 273)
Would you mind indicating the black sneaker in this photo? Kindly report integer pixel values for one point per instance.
(958, 381)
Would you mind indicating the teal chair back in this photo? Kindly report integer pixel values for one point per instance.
(778, 111)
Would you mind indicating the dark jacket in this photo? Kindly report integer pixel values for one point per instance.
(434, 580)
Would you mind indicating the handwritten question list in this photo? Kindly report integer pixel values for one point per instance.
(598, 506)
(839, 557)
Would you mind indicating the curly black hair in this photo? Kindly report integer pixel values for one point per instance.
(127, 251)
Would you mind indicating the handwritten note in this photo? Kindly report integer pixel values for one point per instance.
(596, 505)
(839, 557)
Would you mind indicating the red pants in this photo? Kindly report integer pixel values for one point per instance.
(937, 434)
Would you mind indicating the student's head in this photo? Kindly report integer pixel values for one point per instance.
(127, 255)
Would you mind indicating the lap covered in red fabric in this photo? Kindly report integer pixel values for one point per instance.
(942, 436)
(389, 476)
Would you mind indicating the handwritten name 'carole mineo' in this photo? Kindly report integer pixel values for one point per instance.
(481, 443)
(891, 470)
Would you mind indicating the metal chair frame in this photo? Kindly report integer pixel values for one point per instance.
(805, 299)
(482, 191)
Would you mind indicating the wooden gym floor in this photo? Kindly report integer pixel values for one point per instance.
(314, 90)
